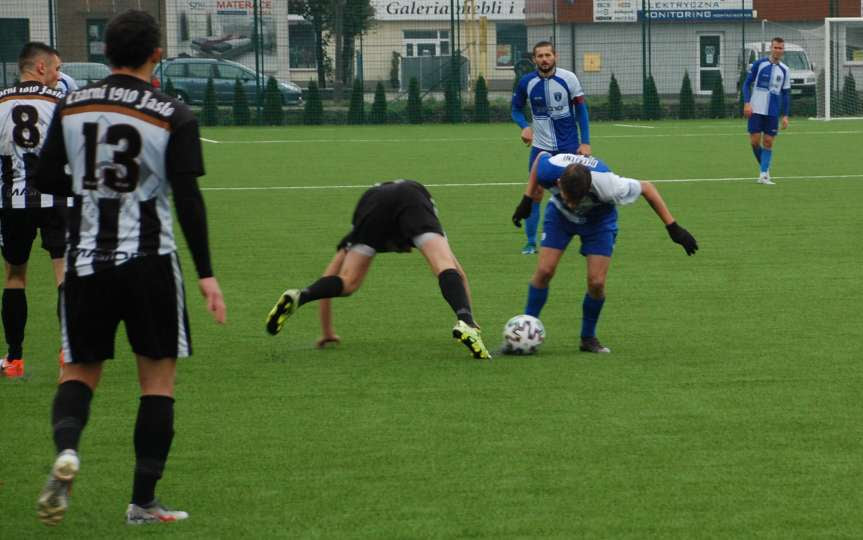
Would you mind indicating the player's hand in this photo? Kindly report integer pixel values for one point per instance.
(324, 340)
(681, 236)
(784, 122)
(212, 293)
(583, 149)
(527, 135)
(522, 211)
(747, 110)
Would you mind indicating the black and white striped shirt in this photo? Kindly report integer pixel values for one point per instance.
(126, 144)
(26, 111)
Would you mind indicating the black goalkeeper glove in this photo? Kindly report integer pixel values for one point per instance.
(681, 236)
(522, 211)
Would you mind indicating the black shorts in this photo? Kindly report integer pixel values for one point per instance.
(388, 217)
(18, 228)
(145, 293)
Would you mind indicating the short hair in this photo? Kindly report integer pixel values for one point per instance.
(31, 52)
(777, 40)
(575, 181)
(543, 44)
(130, 38)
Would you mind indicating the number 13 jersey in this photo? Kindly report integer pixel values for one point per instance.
(125, 144)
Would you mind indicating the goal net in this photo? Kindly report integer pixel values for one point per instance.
(840, 80)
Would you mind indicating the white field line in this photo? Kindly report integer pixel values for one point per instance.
(485, 184)
(741, 133)
(634, 126)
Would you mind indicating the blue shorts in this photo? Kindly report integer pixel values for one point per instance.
(762, 123)
(597, 238)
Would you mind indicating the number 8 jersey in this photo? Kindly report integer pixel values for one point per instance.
(26, 111)
(125, 144)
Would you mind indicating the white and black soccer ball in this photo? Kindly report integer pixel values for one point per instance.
(523, 334)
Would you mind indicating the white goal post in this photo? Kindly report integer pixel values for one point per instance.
(843, 57)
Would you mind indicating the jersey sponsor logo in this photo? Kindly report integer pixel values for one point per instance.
(587, 161)
(101, 255)
(31, 90)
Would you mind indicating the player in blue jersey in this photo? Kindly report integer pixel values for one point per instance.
(559, 112)
(585, 195)
(766, 97)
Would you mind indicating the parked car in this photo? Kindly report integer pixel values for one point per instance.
(801, 69)
(189, 77)
(86, 73)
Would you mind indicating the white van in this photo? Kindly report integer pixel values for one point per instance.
(802, 70)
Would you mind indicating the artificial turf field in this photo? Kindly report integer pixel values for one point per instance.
(730, 406)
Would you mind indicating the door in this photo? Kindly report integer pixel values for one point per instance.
(709, 61)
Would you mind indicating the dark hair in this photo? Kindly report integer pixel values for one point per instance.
(778, 40)
(575, 181)
(543, 44)
(31, 51)
(130, 38)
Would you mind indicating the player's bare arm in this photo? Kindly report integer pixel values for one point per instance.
(747, 110)
(325, 309)
(584, 149)
(527, 136)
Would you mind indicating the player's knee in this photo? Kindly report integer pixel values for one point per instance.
(542, 276)
(768, 143)
(596, 287)
(349, 285)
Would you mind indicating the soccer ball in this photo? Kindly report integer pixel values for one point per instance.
(523, 334)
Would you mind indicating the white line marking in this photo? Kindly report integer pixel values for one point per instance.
(632, 126)
(485, 184)
(510, 139)
(210, 141)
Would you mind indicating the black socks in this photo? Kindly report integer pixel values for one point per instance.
(14, 319)
(326, 287)
(452, 287)
(69, 414)
(154, 431)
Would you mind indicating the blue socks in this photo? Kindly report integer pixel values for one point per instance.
(532, 223)
(535, 300)
(590, 315)
(766, 154)
(757, 151)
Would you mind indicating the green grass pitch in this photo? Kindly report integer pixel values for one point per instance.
(730, 406)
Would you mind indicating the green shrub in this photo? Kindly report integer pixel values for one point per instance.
(241, 105)
(687, 99)
(650, 104)
(850, 100)
(717, 98)
(272, 113)
(357, 112)
(313, 110)
(379, 106)
(210, 111)
(452, 95)
(415, 104)
(480, 101)
(615, 100)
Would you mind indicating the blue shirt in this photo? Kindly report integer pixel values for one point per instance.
(770, 94)
(556, 104)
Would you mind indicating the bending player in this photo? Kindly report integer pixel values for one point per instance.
(390, 217)
(585, 195)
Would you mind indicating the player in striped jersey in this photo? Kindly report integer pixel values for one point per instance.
(26, 110)
(559, 111)
(129, 148)
(585, 196)
(766, 97)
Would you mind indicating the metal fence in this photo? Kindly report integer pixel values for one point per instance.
(335, 42)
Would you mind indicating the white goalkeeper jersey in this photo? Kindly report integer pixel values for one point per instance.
(26, 111)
